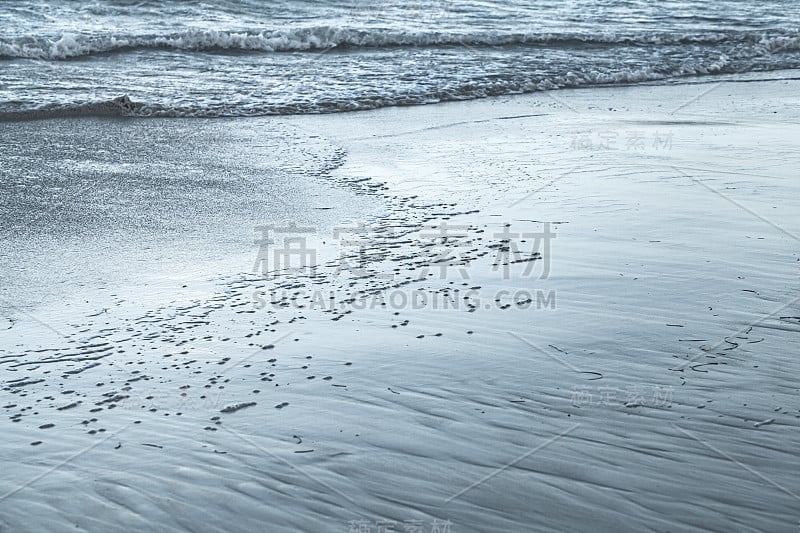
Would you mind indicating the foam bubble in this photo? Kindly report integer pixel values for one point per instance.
(70, 45)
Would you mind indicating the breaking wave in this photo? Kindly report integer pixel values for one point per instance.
(74, 45)
(124, 106)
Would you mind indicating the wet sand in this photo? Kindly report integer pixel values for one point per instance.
(576, 310)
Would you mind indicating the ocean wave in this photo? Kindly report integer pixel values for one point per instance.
(124, 106)
(74, 45)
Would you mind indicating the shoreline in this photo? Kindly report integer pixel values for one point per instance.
(121, 107)
(664, 354)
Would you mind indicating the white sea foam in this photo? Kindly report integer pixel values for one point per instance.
(209, 107)
(71, 45)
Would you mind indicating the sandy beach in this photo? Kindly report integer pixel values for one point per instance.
(526, 313)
